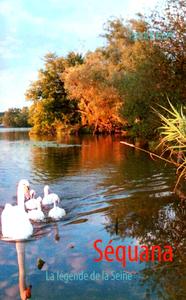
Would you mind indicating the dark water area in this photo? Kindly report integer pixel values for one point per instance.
(110, 193)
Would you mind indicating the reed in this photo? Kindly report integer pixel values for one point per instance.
(173, 133)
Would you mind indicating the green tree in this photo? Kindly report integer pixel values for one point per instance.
(1, 117)
(171, 28)
(51, 108)
(134, 63)
(143, 73)
(16, 117)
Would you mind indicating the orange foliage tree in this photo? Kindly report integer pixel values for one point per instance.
(99, 101)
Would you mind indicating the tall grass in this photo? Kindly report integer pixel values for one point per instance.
(173, 133)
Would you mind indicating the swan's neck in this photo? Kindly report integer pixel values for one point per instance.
(46, 192)
(39, 206)
(21, 197)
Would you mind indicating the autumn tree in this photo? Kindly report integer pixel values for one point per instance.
(98, 100)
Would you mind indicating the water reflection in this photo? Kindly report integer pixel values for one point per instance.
(24, 289)
(27, 253)
(168, 280)
(109, 192)
(12, 134)
(154, 223)
(49, 164)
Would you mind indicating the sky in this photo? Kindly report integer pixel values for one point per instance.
(31, 28)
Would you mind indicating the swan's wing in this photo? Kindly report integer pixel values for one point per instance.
(57, 213)
(31, 204)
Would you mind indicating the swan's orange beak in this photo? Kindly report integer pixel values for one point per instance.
(27, 192)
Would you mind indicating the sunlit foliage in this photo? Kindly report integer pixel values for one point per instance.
(173, 132)
(99, 101)
(51, 108)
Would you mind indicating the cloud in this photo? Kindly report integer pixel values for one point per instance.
(14, 18)
(9, 47)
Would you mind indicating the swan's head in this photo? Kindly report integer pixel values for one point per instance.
(24, 182)
(57, 200)
(39, 199)
(25, 186)
(46, 190)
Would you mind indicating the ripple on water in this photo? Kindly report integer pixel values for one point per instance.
(108, 193)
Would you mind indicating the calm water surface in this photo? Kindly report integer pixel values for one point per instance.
(109, 192)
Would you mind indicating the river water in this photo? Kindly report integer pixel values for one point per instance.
(110, 193)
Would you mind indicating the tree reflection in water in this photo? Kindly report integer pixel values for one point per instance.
(154, 223)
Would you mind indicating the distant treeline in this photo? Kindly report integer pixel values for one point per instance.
(1, 117)
(15, 117)
(115, 87)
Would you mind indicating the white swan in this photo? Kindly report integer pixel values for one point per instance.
(49, 198)
(32, 203)
(37, 214)
(56, 212)
(14, 220)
